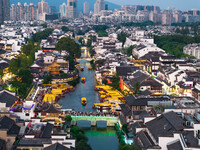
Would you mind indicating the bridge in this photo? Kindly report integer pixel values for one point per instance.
(94, 120)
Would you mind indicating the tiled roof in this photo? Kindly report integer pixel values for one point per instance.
(7, 98)
(175, 146)
(57, 146)
(165, 125)
(47, 131)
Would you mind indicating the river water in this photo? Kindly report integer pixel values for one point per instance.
(73, 99)
(99, 139)
(102, 139)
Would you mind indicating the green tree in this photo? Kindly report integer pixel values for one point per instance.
(129, 147)
(70, 46)
(104, 81)
(122, 37)
(44, 25)
(65, 29)
(26, 76)
(82, 145)
(89, 43)
(71, 62)
(129, 51)
(1, 73)
(47, 79)
(68, 118)
(125, 128)
(80, 32)
(102, 33)
(136, 88)
(81, 40)
(42, 35)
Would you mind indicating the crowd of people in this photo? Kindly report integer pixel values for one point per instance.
(100, 114)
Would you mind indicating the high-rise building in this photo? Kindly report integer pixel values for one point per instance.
(43, 7)
(71, 9)
(1, 11)
(167, 18)
(99, 6)
(86, 8)
(63, 10)
(4, 10)
(23, 12)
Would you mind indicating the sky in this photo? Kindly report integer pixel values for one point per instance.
(178, 4)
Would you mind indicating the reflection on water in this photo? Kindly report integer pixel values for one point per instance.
(73, 100)
(102, 139)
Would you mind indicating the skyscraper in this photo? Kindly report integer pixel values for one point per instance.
(1, 11)
(86, 8)
(71, 9)
(23, 12)
(43, 7)
(63, 10)
(4, 10)
(99, 6)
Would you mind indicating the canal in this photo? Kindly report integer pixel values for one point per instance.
(98, 139)
(102, 139)
(73, 99)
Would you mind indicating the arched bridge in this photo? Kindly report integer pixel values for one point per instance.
(94, 119)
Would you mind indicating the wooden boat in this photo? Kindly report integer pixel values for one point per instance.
(83, 101)
(89, 68)
(83, 80)
(82, 69)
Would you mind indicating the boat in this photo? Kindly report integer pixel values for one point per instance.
(83, 101)
(90, 68)
(82, 69)
(83, 79)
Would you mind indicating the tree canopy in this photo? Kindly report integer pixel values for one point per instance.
(122, 37)
(101, 30)
(42, 35)
(65, 29)
(173, 44)
(22, 82)
(70, 46)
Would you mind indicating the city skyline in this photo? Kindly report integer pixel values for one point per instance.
(188, 4)
(192, 4)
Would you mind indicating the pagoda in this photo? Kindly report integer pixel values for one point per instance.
(54, 69)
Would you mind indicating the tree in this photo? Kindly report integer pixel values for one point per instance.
(68, 118)
(14, 66)
(42, 35)
(136, 88)
(82, 145)
(65, 29)
(122, 37)
(80, 40)
(44, 25)
(129, 147)
(101, 30)
(125, 128)
(47, 79)
(22, 82)
(80, 32)
(1, 73)
(26, 76)
(100, 27)
(129, 51)
(70, 46)
(102, 33)
(71, 62)
(104, 81)
(89, 43)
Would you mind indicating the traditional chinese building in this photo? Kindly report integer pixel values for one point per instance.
(54, 69)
